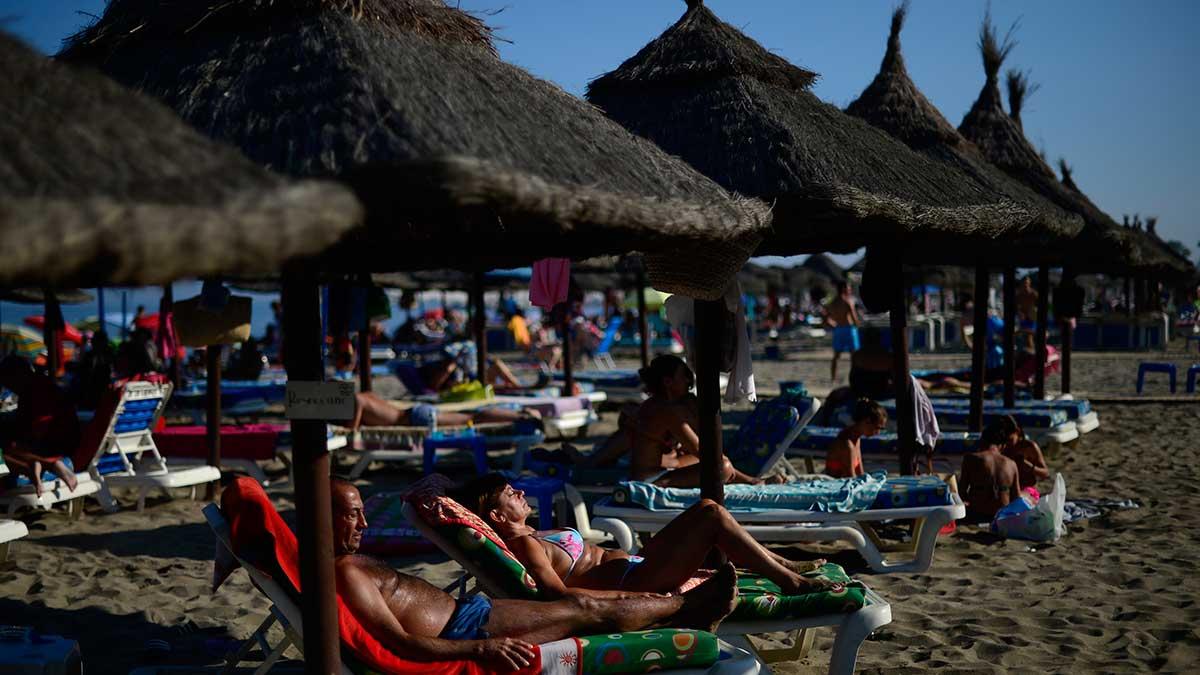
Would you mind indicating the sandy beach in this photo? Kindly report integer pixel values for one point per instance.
(1118, 594)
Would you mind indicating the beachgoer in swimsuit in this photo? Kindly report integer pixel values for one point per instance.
(841, 315)
(563, 564)
(373, 411)
(1025, 453)
(989, 479)
(666, 449)
(43, 430)
(844, 459)
(418, 622)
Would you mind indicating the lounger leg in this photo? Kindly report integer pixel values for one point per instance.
(106, 499)
(5, 552)
(258, 637)
(802, 641)
(75, 508)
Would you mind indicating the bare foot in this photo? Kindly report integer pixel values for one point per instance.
(35, 475)
(706, 605)
(804, 566)
(803, 585)
(67, 475)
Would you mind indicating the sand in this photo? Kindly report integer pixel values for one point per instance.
(1117, 594)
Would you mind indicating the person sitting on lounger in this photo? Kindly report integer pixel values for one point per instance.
(373, 411)
(844, 459)
(419, 622)
(563, 564)
(666, 449)
(44, 428)
(1025, 453)
(989, 479)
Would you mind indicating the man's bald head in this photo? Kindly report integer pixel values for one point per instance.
(348, 519)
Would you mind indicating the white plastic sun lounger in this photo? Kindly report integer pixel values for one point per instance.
(793, 525)
(400, 443)
(54, 492)
(734, 660)
(10, 531)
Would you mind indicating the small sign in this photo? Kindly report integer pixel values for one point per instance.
(320, 400)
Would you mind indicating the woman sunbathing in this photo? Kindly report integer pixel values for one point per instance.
(562, 563)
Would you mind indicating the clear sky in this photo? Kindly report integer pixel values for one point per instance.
(1120, 79)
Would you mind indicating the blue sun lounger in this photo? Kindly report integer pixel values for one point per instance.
(1078, 411)
(1043, 426)
(813, 444)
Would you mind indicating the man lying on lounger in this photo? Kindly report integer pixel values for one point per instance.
(419, 622)
(563, 565)
(373, 411)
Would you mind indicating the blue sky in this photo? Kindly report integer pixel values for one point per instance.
(1120, 79)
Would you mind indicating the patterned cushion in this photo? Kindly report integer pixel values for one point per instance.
(644, 651)
(760, 598)
(762, 432)
(908, 491)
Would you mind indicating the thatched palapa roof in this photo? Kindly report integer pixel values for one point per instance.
(746, 118)
(99, 184)
(825, 266)
(893, 103)
(37, 296)
(462, 160)
(1100, 246)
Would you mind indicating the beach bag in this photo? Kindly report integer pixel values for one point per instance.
(1042, 521)
(467, 391)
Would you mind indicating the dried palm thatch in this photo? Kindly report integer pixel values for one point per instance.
(746, 119)
(893, 103)
(102, 185)
(822, 265)
(1100, 246)
(1186, 267)
(37, 296)
(462, 160)
(1020, 88)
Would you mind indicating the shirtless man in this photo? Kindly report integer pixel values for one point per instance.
(843, 318)
(373, 411)
(844, 459)
(989, 479)
(1031, 464)
(666, 449)
(419, 622)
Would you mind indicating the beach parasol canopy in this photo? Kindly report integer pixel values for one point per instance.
(1100, 245)
(462, 160)
(99, 184)
(893, 103)
(36, 296)
(747, 118)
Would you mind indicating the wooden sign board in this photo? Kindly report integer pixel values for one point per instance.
(320, 400)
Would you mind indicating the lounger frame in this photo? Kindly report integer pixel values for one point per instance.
(10, 531)
(53, 492)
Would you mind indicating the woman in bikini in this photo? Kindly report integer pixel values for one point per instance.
(561, 562)
(666, 449)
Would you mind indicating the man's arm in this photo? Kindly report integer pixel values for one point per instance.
(362, 596)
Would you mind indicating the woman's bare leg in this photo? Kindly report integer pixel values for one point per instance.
(678, 550)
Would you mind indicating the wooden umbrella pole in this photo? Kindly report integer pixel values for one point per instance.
(364, 351)
(1128, 296)
(567, 358)
(212, 421)
(643, 322)
(1010, 321)
(1043, 325)
(1068, 336)
(710, 319)
(50, 335)
(479, 319)
(906, 422)
(165, 306)
(318, 602)
(979, 348)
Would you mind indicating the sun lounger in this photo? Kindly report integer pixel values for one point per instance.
(239, 398)
(1078, 411)
(732, 660)
(560, 414)
(10, 531)
(406, 444)
(127, 456)
(813, 444)
(243, 446)
(22, 494)
(495, 572)
(622, 521)
(1043, 426)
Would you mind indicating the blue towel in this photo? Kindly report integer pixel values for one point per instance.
(840, 495)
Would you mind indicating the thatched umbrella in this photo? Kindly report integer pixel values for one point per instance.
(893, 103)
(746, 118)
(462, 161)
(825, 266)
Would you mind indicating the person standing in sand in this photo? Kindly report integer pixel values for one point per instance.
(417, 621)
(841, 315)
(989, 479)
(1027, 298)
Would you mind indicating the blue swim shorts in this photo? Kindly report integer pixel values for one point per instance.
(845, 339)
(470, 615)
(422, 415)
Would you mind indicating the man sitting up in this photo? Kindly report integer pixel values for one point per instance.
(43, 430)
(989, 479)
(419, 622)
(844, 459)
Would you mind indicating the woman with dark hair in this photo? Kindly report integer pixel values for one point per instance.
(666, 449)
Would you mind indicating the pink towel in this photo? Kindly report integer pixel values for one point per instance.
(551, 278)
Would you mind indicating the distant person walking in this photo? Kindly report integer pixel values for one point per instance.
(841, 315)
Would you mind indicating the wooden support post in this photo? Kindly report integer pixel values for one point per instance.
(479, 324)
(318, 599)
(1068, 334)
(212, 421)
(50, 331)
(979, 348)
(1010, 326)
(643, 321)
(1042, 327)
(710, 320)
(906, 423)
(364, 351)
(567, 357)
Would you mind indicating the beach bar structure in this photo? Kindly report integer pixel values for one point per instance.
(462, 161)
(746, 118)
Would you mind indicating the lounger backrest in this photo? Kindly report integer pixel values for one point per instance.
(485, 574)
(764, 437)
(121, 432)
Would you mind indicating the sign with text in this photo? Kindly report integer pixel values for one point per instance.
(320, 400)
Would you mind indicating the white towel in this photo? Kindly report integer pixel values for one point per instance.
(681, 315)
(928, 431)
